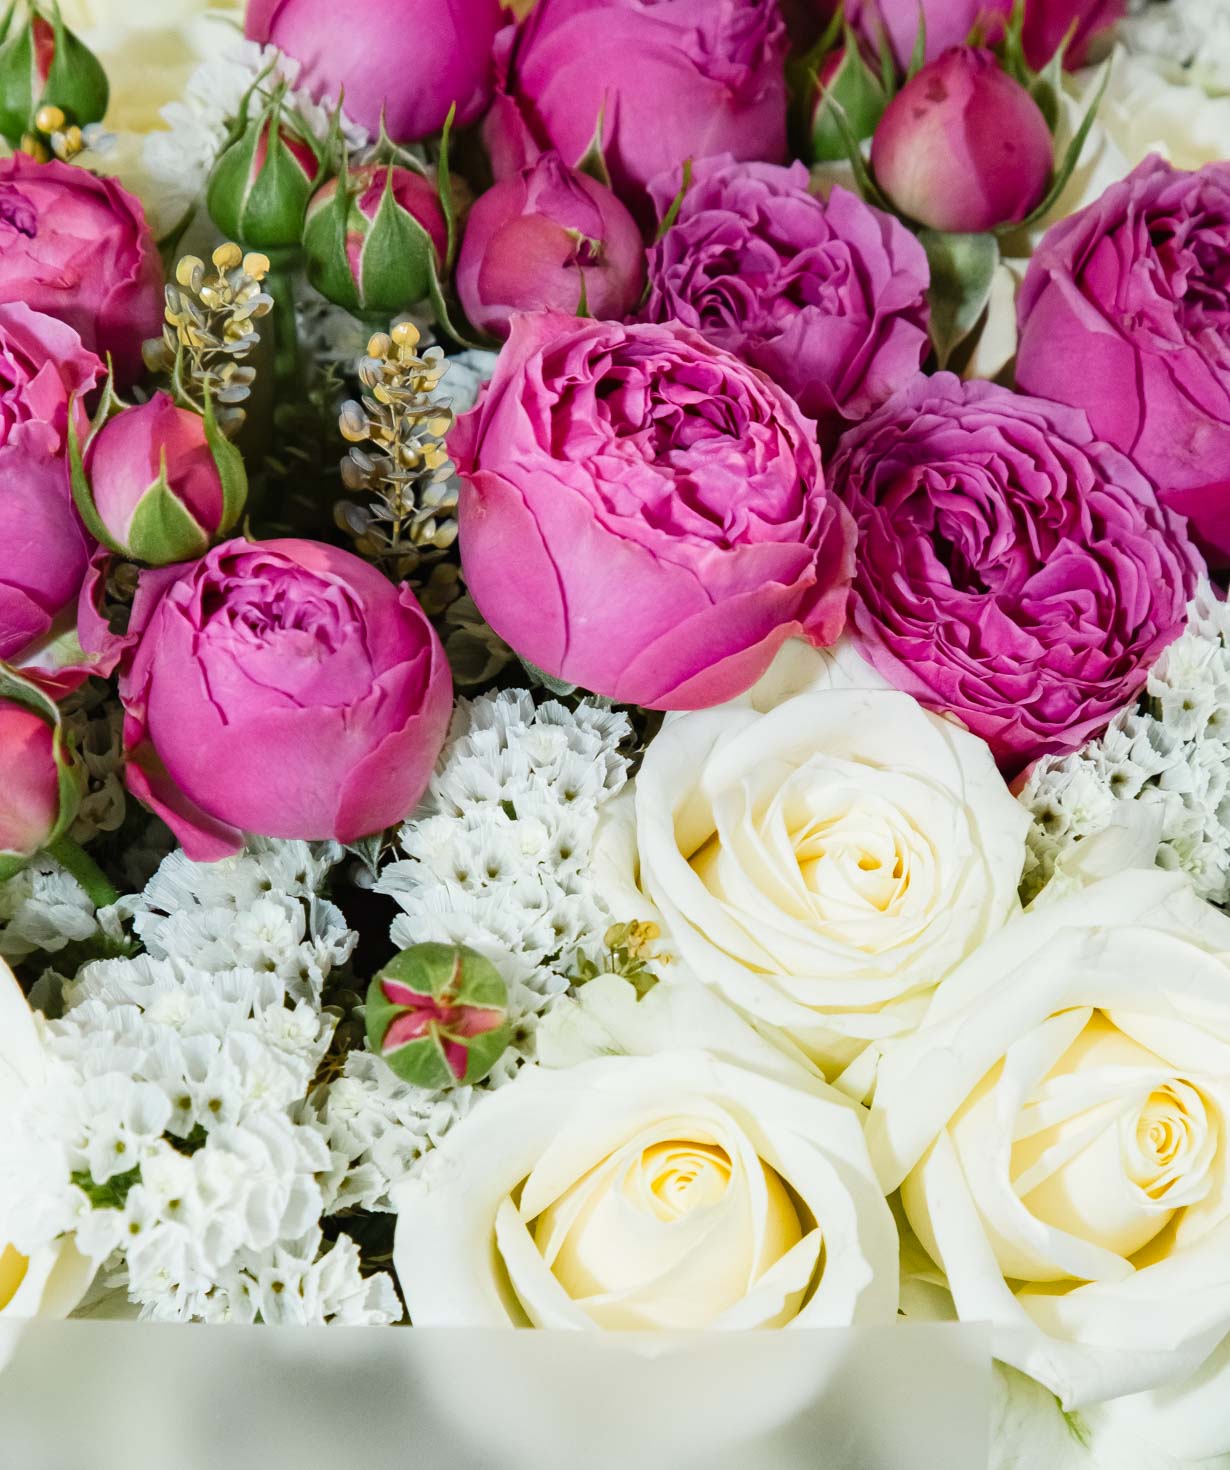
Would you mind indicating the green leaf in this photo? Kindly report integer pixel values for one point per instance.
(1070, 159)
(593, 160)
(230, 466)
(962, 270)
(111, 1195)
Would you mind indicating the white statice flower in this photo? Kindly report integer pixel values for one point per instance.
(1170, 756)
(1188, 40)
(43, 908)
(261, 910)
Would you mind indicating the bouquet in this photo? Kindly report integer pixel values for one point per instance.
(717, 815)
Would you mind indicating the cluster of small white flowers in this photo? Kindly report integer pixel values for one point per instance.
(179, 159)
(43, 908)
(165, 1136)
(1189, 40)
(1171, 754)
(261, 911)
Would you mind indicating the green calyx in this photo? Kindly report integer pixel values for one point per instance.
(861, 94)
(17, 689)
(259, 188)
(44, 64)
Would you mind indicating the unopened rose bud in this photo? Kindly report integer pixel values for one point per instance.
(260, 187)
(438, 1014)
(549, 239)
(40, 789)
(963, 147)
(152, 486)
(48, 76)
(376, 240)
(846, 79)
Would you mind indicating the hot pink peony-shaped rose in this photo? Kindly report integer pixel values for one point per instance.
(1125, 312)
(643, 514)
(77, 247)
(284, 688)
(1012, 569)
(963, 146)
(669, 79)
(829, 299)
(548, 239)
(42, 367)
(410, 59)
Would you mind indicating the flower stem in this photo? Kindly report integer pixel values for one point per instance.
(75, 861)
(280, 284)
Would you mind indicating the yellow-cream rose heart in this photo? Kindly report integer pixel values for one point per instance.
(1058, 1127)
(678, 1191)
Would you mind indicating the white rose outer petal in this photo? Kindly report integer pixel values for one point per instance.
(466, 1256)
(1143, 950)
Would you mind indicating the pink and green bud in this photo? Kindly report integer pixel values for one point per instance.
(438, 1014)
(376, 240)
(42, 785)
(260, 186)
(963, 147)
(44, 65)
(158, 483)
(847, 80)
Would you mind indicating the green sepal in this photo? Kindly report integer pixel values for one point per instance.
(226, 192)
(549, 682)
(18, 103)
(230, 466)
(444, 188)
(593, 161)
(860, 92)
(83, 498)
(919, 54)
(863, 179)
(1068, 164)
(77, 83)
(163, 531)
(397, 259)
(801, 73)
(962, 271)
(324, 241)
(17, 689)
(264, 209)
(445, 318)
(672, 214)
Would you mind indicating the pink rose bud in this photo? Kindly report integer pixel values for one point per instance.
(43, 64)
(553, 239)
(377, 240)
(260, 186)
(963, 147)
(403, 62)
(438, 1014)
(40, 791)
(154, 488)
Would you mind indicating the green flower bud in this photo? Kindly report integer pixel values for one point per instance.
(260, 186)
(438, 1014)
(845, 78)
(376, 240)
(44, 66)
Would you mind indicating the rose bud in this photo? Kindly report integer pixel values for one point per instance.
(159, 483)
(376, 240)
(44, 65)
(552, 239)
(41, 790)
(963, 147)
(400, 63)
(438, 1014)
(845, 78)
(260, 186)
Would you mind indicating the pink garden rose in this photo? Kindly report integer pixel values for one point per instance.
(76, 246)
(548, 239)
(30, 790)
(827, 298)
(1012, 570)
(42, 367)
(670, 79)
(284, 688)
(408, 59)
(644, 515)
(963, 147)
(1125, 312)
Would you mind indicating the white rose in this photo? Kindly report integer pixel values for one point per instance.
(1058, 1127)
(677, 1191)
(823, 864)
(1146, 112)
(51, 1282)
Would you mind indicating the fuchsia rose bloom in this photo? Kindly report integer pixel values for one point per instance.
(42, 367)
(1125, 312)
(670, 79)
(644, 515)
(77, 247)
(549, 238)
(284, 688)
(1012, 570)
(410, 59)
(828, 299)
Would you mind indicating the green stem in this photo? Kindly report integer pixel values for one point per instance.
(75, 861)
(281, 286)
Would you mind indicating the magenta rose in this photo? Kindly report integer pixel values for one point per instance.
(43, 366)
(43, 556)
(1125, 312)
(284, 688)
(1012, 570)
(644, 515)
(670, 79)
(410, 60)
(950, 23)
(38, 799)
(77, 247)
(828, 298)
(548, 239)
